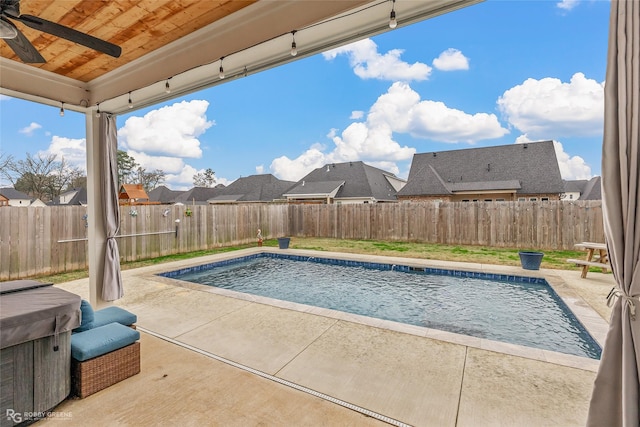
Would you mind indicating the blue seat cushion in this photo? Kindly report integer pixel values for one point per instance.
(113, 314)
(101, 340)
(88, 316)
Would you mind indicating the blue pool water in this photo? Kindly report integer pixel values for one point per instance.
(518, 310)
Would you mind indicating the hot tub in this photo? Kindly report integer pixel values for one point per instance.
(36, 320)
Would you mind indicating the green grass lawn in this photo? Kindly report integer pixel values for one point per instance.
(477, 254)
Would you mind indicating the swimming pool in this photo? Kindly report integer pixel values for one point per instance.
(513, 309)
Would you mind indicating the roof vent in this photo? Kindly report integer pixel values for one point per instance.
(524, 146)
(328, 168)
(303, 183)
(488, 167)
(434, 154)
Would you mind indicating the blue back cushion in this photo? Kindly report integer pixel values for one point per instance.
(87, 316)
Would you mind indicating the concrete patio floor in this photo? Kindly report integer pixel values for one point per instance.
(213, 357)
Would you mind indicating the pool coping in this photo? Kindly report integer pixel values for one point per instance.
(590, 319)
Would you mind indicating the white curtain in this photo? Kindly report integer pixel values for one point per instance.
(112, 279)
(616, 393)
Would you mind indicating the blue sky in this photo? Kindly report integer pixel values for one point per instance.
(495, 73)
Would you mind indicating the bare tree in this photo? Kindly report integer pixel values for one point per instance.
(5, 162)
(41, 176)
(150, 180)
(204, 179)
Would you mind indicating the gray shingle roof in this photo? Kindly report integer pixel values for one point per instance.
(360, 180)
(319, 189)
(254, 188)
(575, 185)
(12, 194)
(198, 195)
(593, 189)
(530, 168)
(589, 189)
(80, 198)
(163, 194)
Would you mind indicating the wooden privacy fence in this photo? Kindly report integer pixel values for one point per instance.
(48, 240)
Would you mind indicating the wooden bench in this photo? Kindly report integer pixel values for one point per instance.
(586, 264)
(596, 257)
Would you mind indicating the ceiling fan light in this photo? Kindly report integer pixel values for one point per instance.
(7, 31)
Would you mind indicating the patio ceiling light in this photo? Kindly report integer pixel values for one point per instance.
(392, 17)
(294, 48)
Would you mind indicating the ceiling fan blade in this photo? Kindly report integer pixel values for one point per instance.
(23, 47)
(70, 34)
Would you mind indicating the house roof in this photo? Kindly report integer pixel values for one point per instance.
(199, 195)
(315, 189)
(132, 191)
(13, 194)
(575, 185)
(360, 181)
(253, 188)
(589, 189)
(80, 198)
(593, 189)
(530, 168)
(163, 194)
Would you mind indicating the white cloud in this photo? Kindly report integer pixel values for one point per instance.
(367, 63)
(551, 107)
(178, 174)
(293, 170)
(181, 180)
(4, 97)
(400, 110)
(169, 165)
(30, 129)
(567, 4)
(356, 115)
(260, 169)
(73, 150)
(171, 130)
(450, 60)
(571, 167)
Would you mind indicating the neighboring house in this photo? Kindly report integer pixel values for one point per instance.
(515, 172)
(583, 189)
(199, 195)
(342, 183)
(75, 197)
(253, 189)
(37, 203)
(131, 194)
(12, 197)
(164, 195)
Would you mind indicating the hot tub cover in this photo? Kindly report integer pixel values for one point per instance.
(31, 310)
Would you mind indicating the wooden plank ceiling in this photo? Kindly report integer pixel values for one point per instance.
(138, 27)
(185, 41)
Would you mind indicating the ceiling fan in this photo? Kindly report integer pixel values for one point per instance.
(10, 10)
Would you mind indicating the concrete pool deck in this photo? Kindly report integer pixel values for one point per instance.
(212, 357)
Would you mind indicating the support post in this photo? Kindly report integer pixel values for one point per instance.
(95, 211)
